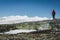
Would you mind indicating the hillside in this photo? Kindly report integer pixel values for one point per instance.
(33, 25)
(46, 30)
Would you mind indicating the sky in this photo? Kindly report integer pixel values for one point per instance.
(31, 8)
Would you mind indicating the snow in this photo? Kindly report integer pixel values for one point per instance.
(18, 31)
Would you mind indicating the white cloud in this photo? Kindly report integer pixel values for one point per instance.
(17, 19)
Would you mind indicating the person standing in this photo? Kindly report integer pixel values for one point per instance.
(53, 14)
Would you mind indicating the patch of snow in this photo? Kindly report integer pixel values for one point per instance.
(18, 31)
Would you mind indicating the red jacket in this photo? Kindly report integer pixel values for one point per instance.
(53, 12)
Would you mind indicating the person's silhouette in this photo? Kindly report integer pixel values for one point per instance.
(53, 14)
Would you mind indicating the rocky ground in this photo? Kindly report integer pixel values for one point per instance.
(31, 36)
(52, 33)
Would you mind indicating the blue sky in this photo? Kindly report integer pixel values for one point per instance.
(42, 8)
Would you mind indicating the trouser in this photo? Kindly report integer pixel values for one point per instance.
(53, 16)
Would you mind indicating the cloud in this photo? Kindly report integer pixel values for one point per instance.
(19, 19)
